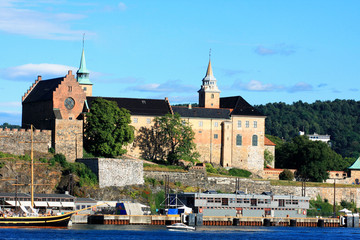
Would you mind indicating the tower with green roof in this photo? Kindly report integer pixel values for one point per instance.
(355, 172)
(83, 76)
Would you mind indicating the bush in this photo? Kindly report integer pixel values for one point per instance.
(286, 175)
(239, 172)
(210, 168)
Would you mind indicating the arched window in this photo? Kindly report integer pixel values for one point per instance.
(212, 95)
(238, 140)
(254, 140)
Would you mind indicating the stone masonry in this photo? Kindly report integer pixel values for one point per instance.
(17, 142)
(116, 172)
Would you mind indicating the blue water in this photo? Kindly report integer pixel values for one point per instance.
(109, 232)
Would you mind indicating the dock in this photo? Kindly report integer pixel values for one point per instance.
(193, 219)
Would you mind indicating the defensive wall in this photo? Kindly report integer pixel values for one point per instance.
(200, 179)
(17, 141)
(116, 172)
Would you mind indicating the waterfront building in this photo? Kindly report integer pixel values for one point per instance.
(211, 203)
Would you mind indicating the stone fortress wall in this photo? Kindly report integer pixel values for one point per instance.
(17, 141)
(116, 172)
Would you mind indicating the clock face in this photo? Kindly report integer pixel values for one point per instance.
(69, 103)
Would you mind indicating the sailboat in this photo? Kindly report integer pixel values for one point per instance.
(29, 217)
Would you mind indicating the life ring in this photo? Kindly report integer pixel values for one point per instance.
(200, 210)
(304, 212)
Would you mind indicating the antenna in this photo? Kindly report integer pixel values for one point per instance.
(210, 54)
(83, 40)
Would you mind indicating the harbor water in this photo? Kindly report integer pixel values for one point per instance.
(109, 232)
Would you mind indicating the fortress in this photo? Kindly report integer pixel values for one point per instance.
(228, 130)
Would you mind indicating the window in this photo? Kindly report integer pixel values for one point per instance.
(216, 136)
(253, 202)
(238, 140)
(148, 121)
(70, 88)
(84, 88)
(255, 124)
(254, 140)
(247, 124)
(212, 95)
(200, 123)
(216, 124)
(135, 120)
(239, 124)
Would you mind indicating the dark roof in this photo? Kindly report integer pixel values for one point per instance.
(138, 106)
(36, 195)
(240, 106)
(85, 200)
(202, 112)
(43, 91)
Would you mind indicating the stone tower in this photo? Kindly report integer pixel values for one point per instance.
(209, 94)
(83, 76)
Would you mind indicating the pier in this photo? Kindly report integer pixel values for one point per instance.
(213, 221)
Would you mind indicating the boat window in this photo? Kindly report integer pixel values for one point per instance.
(225, 201)
(253, 202)
(239, 200)
(281, 202)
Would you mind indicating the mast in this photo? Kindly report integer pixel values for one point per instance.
(32, 167)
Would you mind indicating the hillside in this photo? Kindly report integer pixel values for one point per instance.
(338, 118)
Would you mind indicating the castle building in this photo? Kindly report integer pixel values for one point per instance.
(228, 130)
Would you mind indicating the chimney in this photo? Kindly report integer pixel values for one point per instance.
(39, 78)
(190, 107)
(69, 72)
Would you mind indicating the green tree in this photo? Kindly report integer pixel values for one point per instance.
(170, 138)
(268, 158)
(311, 159)
(286, 174)
(107, 129)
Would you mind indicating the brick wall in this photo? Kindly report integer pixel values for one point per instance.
(17, 142)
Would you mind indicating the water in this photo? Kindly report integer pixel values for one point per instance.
(109, 232)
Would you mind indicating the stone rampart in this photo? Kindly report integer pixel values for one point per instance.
(227, 184)
(116, 172)
(17, 141)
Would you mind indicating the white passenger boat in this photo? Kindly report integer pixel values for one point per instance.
(180, 227)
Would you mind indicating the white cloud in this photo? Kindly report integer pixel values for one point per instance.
(122, 6)
(279, 49)
(23, 72)
(255, 85)
(37, 24)
(168, 87)
(300, 87)
(10, 104)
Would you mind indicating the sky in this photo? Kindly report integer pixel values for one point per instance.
(265, 51)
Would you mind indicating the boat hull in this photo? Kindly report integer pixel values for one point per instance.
(47, 221)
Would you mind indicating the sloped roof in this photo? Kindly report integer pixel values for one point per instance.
(356, 165)
(43, 91)
(197, 112)
(240, 106)
(268, 142)
(138, 106)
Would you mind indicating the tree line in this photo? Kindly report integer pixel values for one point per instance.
(338, 118)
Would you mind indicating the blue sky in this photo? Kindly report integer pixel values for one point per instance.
(266, 51)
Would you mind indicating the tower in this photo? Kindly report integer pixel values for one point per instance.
(83, 75)
(209, 94)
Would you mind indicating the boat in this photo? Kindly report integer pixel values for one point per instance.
(36, 221)
(180, 227)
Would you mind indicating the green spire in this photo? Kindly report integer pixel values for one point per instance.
(83, 73)
(356, 165)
